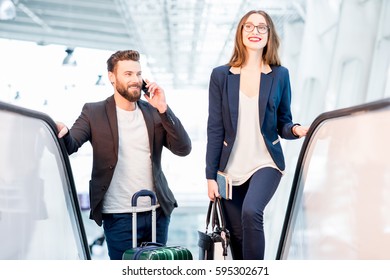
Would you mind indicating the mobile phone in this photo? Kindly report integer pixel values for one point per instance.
(144, 89)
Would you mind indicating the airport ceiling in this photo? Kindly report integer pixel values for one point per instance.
(181, 39)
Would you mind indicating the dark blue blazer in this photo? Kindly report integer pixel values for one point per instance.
(274, 115)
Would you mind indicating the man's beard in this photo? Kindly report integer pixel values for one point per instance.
(130, 95)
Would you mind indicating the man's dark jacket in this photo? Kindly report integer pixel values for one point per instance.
(98, 124)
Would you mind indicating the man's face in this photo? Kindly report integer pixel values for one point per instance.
(127, 79)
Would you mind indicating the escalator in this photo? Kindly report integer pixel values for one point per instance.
(340, 198)
(338, 206)
(40, 217)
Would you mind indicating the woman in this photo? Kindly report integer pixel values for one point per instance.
(249, 108)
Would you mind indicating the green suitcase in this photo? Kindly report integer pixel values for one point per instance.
(152, 250)
(155, 251)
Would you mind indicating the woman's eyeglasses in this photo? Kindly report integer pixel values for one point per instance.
(261, 28)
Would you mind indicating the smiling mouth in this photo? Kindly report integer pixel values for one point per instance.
(254, 39)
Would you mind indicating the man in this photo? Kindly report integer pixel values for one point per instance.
(127, 136)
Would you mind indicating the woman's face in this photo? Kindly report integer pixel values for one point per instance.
(257, 38)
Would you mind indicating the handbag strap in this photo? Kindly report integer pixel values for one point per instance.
(208, 216)
(215, 215)
(219, 219)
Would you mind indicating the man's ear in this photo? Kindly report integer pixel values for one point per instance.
(111, 77)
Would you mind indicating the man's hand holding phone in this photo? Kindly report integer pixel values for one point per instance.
(145, 89)
(155, 95)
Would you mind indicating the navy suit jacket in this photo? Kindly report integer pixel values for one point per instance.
(98, 124)
(274, 115)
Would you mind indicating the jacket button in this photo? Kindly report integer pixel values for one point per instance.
(111, 166)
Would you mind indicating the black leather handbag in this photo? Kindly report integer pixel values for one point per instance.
(214, 245)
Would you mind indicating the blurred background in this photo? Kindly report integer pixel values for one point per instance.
(53, 59)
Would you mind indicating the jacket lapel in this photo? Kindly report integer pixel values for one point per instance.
(233, 88)
(112, 119)
(148, 116)
(265, 90)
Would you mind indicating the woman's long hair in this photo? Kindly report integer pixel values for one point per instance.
(270, 52)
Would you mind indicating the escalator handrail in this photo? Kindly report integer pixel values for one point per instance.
(371, 106)
(60, 143)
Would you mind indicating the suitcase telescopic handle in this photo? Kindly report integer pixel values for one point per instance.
(153, 202)
(140, 193)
